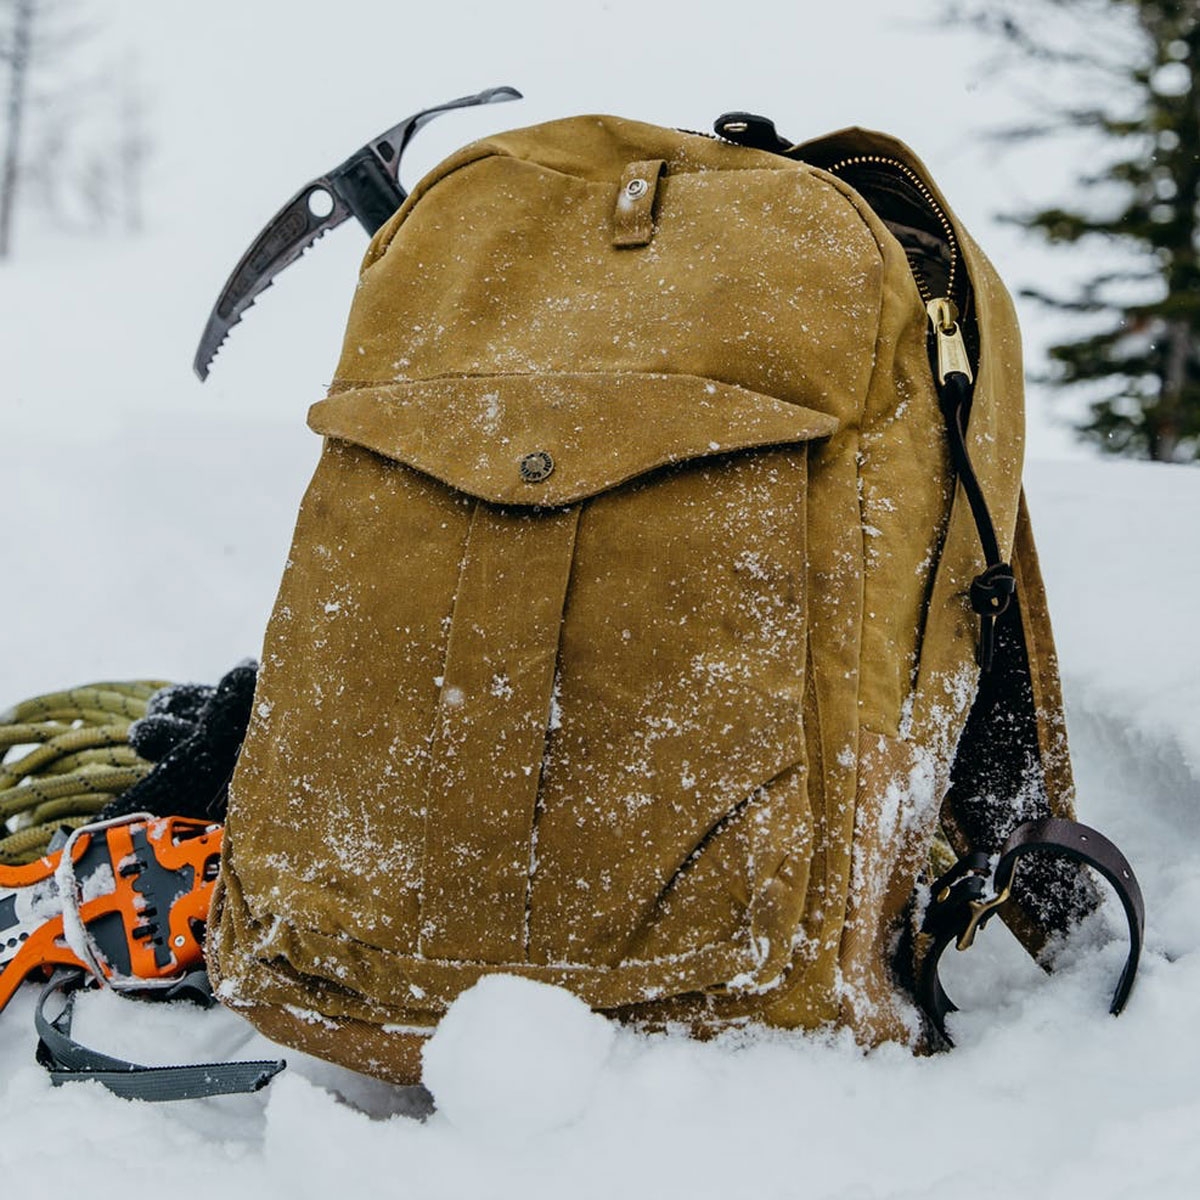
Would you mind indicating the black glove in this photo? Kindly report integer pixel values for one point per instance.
(192, 733)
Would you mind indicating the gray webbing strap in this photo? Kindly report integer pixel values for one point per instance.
(68, 1061)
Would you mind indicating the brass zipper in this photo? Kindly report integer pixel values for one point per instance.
(952, 354)
(934, 207)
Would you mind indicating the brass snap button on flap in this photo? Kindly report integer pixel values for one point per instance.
(536, 466)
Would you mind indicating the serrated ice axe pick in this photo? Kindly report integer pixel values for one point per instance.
(366, 186)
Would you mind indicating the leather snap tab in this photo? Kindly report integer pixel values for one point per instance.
(536, 466)
(633, 215)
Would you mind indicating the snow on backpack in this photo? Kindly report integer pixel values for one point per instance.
(665, 584)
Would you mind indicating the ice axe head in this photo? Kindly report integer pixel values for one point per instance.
(366, 186)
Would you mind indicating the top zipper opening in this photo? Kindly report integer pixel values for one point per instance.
(931, 249)
(905, 203)
(931, 204)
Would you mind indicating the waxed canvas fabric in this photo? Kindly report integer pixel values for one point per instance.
(624, 640)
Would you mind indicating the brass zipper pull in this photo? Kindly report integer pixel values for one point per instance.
(951, 349)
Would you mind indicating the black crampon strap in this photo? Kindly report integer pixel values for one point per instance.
(68, 1061)
(961, 902)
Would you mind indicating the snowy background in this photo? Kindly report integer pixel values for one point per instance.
(148, 518)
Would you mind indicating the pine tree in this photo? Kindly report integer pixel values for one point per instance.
(1140, 360)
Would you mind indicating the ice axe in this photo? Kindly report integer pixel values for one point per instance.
(366, 186)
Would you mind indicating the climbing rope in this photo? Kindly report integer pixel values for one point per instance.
(63, 757)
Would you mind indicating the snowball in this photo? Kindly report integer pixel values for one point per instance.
(513, 1058)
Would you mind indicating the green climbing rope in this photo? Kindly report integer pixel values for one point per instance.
(63, 757)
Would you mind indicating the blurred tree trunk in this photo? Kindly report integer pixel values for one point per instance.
(18, 54)
(73, 123)
(132, 148)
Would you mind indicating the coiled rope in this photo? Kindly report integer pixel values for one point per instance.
(63, 757)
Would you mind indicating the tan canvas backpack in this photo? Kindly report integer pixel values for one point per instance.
(632, 631)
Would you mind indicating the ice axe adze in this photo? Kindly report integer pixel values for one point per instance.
(366, 186)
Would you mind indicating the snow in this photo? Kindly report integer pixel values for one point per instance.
(148, 521)
(514, 1059)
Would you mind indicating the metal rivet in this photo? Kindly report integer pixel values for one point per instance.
(180, 940)
(536, 466)
(635, 189)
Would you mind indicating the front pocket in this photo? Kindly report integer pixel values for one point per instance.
(673, 785)
(593, 771)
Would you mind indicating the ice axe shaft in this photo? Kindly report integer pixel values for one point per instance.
(366, 186)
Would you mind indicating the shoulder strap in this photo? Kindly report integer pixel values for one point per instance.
(1011, 799)
(1012, 764)
(69, 1061)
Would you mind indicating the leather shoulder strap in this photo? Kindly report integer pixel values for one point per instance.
(1013, 765)
(1012, 800)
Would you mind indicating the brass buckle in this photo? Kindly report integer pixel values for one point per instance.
(980, 911)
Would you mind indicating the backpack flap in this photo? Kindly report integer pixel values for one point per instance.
(550, 440)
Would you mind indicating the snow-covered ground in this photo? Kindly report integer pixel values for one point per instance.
(138, 557)
(147, 520)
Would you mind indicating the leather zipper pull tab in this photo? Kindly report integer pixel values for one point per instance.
(749, 129)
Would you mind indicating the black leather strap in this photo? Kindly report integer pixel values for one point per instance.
(68, 1061)
(993, 590)
(971, 892)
